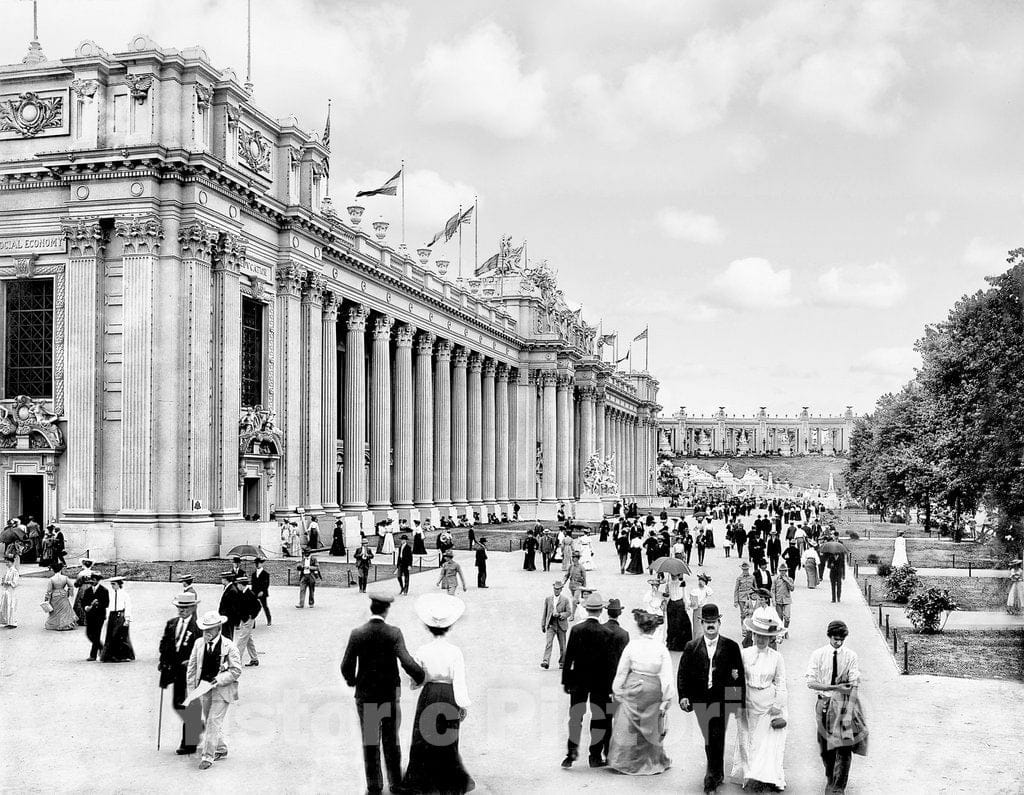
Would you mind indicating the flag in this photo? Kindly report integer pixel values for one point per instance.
(389, 188)
(451, 225)
(641, 336)
(489, 265)
(327, 129)
(609, 339)
(620, 361)
(466, 216)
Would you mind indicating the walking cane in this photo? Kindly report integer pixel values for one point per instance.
(160, 719)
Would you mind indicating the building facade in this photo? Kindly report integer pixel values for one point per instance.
(758, 434)
(193, 335)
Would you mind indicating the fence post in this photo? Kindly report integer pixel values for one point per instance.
(886, 625)
(969, 563)
(895, 649)
(869, 594)
(289, 571)
(115, 569)
(170, 574)
(880, 616)
(906, 659)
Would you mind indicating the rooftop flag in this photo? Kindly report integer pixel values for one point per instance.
(389, 188)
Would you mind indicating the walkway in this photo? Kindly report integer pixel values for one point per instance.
(294, 727)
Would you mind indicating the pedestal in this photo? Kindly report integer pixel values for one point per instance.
(352, 528)
(589, 508)
(367, 522)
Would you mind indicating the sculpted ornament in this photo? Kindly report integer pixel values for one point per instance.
(599, 475)
(29, 425)
(254, 149)
(203, 95)
(85, 236)
(29, 114)
(258, 434)
(138, 86)
(141, 233)
(85, 89)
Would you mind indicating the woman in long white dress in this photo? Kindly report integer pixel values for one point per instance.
(760, 745)
(8, 593)
(700, 596)
(899, 551)
(654, 601)
(388, 546)
(586, 552)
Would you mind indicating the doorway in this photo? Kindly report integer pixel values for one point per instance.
(251, 498)
(26, 498)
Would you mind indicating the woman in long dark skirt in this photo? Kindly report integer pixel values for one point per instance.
(678, 629)
(435, 765)
(636, 565)
(530, 556)
(338, 541)
(118, 644)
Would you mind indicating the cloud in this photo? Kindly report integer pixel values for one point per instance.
(669, 92)
(686, 225)
(479, 80)
(877, 286)
(985, 256)
(747, 152)
(853, 86)
(888, 362)
(752, 283)
(920, 221)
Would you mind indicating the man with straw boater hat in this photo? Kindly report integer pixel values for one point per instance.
(215, 665)
(180, 635)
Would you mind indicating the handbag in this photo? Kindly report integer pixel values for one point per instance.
(46, 607)
(778, 722)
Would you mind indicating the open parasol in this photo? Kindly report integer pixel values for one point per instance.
(247, 551)
(670, 566)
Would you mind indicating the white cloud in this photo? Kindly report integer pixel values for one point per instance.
(747, 152)
(920, 221)
(479, 80)
(852, 85)
(888, 362)
(686, 225)
(668, 92)
(877, 286)
(752, 283)
(985, 256)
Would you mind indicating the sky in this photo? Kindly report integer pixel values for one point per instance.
(784, 193)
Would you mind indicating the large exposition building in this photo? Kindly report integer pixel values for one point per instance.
(193, 336)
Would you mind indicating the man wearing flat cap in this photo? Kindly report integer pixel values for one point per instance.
(712, 685)
(834, 672)
(180, 635)
(587, 678)
(370, 665)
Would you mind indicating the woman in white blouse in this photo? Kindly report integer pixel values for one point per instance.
(644, 687)
(699, 597)
(118, 644)
(761, 729)
(434, 761)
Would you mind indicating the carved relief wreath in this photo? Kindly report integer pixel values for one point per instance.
(29, 114)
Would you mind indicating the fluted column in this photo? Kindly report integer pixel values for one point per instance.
(563, 437)
(474, 441)
(402, 471)
(600, 421)
(487, 433)
(587, 395)
(312, 375)
(549, 475)
(460, 360)
(641, 455)
(86, 243)
(329, 405)
(355, 408)
(423, 492)
(287, 396)
(443, 413)
(572, 451)
(380, 414)
(503, 452)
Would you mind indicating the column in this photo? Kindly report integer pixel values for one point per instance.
(587, 395)
(86, 243)
(380, 414)
(443, 413)
(549, 461)
(564, 438)
(423, 491)
(355, 408)
(487, 433)
(524, 395)
(571, 450)
(599, 423)
(403, 469)
(141, 238)
(504, 454)
(312, 384)
(627, 447)
(287, 339)
(196, 241)
(474, 442)
(329, 405)
(460, 360)
(641, 455)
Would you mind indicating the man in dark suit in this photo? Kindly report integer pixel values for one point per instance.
(180, 635)
(229, 607)
(370, 665)
(618, 643)
(95, 601)
(712, 685)
(236, 567)
(404, 564)
(261, 586)
(587, 677)
(481, 563)
(739, 538)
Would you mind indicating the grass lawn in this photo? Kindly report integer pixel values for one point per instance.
(994, 654)
(803, 472)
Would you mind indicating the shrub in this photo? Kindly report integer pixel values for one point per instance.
(883, 570)
(926, 608)
(901, 583)
(872, 558)
(854, 535)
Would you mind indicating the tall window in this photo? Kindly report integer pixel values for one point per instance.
(252, 352)
(29, 338)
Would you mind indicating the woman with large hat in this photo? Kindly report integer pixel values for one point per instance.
(761, 729)
(435, 765)
(118, 645)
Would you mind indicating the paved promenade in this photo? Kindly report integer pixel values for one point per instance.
(294, 728)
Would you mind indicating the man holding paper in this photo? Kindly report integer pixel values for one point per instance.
(213, 671)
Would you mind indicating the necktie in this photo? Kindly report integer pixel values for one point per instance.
(181, 633)
(835, 665)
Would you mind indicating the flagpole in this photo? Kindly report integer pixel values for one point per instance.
(403, 203)
(460, 241)
(328, 144)
(600, 337)
(647, 349)
(476, 234)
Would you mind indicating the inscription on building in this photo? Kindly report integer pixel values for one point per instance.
(35, 244)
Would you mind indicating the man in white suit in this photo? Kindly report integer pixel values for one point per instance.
(215, 660)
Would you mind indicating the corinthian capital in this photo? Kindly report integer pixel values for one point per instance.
(382, 327)
(141, 233)
(443, 349)
(289, 279)
(403, 335)
(230, 251)
(460, 357)
(197, 240)
(313, 289)
(85, 236)
(476, 362)
(357, 316)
